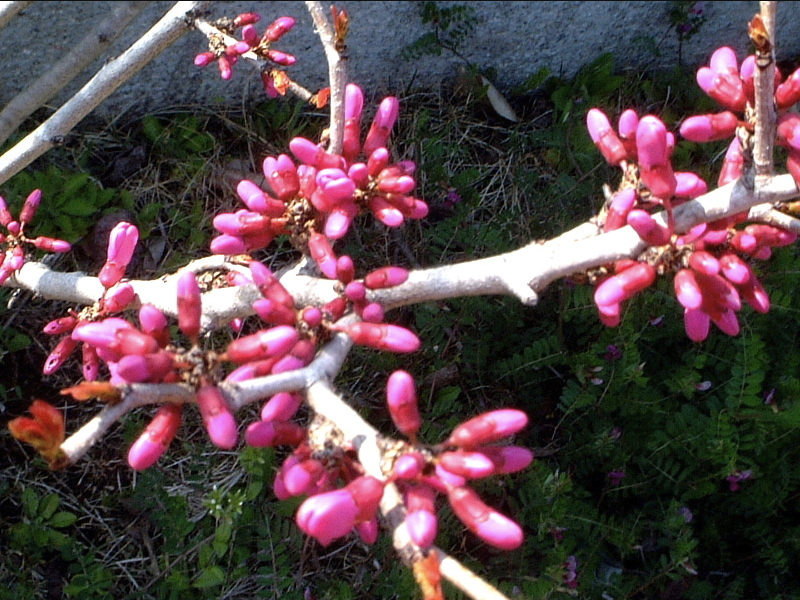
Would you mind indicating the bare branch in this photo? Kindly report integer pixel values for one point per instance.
(764, 81)
(67, 68)
(8, 10)
(337, 74)
(109, 78)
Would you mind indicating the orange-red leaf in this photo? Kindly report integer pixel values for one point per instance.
(86, 390)
(429, 579)
(320, 99)
(281, 81)
(45, 432)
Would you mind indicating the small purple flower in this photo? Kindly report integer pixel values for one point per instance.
(616, 477)
(571, 575)
(734, 478)
(612, 353)
(686, 514)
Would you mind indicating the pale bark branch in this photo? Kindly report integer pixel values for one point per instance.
(116, 72)
(67, 68)
(8, 10)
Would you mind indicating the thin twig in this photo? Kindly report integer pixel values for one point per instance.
(67, 68)
(116, 72)
(337, 74)
(764, 81)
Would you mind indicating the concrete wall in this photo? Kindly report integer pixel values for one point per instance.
(514, 38)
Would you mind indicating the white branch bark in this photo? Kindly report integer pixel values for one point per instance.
(116, 72)
(67, 68)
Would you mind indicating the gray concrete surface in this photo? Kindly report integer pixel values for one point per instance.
(513, 38)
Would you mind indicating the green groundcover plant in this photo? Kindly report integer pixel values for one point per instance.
(594, 446)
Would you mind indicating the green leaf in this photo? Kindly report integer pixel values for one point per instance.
(48, 505)
(63, 519)
(30, 503)
(79, 207)
(210, 577)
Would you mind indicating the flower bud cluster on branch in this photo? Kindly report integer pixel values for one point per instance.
(314, 197)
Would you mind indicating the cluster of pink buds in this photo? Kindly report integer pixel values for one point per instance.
(469, 453)
(733, 87)
(12, 243)
(325, 188)
(227, 54)
(340, 497)
(711, 261)
(117, 296)
(144, 354)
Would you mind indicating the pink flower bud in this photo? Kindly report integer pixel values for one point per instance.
(687, 289)
(282, 176)
(734, 269)
(378, 161)
(301, 477)
(345, 269)
(217, 417)
(689, 185)
(322, 253)
(327, 516)
(381, 127)
(189, 305)
(486, 523)
(508, 459)
(268, 343)
(59, 355)
(281, 58)
(372, 313)
(647, 228)
(128, 340)
(274, 433)
(755, 294)
(51, 245)
(204, 59)
(121, 245)
(281, 407)
(158, 435)
(383, 337)
(148, 368)
(29, 208)
(385, 277)
(703, 262)
(309, 153)
(250, 35)
(91, 363)
(257, 201)
(61, 325)
(274, 313)
(278, 28)
(225, 64)
(334, 188)
(628, 122)
(423, 526)
(619, 208)
(339, 220)
(368, 531)
(118, 297)
(154, 322)
(605, 138)
(788, 93)
(651, 141)
(386, 213)
(269, 285)
(487, 428)
(625, 285)
(710, 128)
(697, 323)
(471, 465)
(5, 215)
(733, 163)
(409, 466)
(401, 397)
(355, 291)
